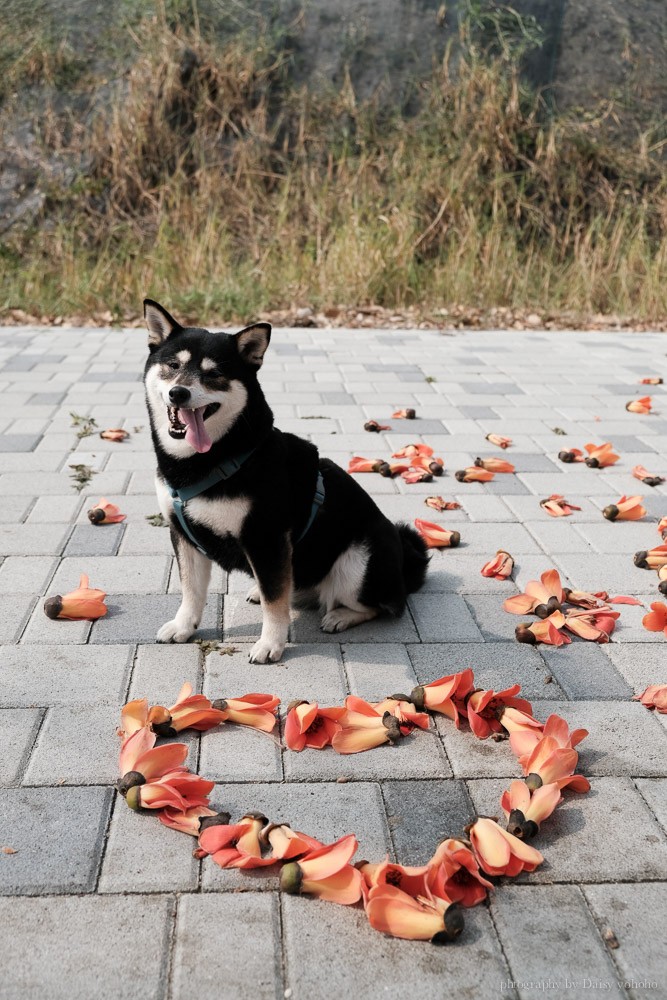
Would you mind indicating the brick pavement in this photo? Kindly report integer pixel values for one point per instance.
(98, 897)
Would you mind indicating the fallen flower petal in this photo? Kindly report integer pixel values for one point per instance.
(84, 603)
(375, 427)
(105, 512)
(287, 843)
(114, 434)
(434, 465)
(525, 812)
(359, 464)
(662, 575)
(655, 696)
(446, 695)
(571, 455)
(595, 625)
(417, 476)
(662, 527)
(360, 732)
(600, 456)
(625, 509)
(558, 506)
(651, 380)
(494, 465)
(438, 503)
(642, 405)
(523, 742)
(473, 474)
(238, 845)
(541, 597)
(484, 708)
(499, 852)
(435, 536)
(407, 414)
(414, 451)
(502, 442)
(192, 821)
(457, 876)
(654, 558)
(500, 567)
(393, 912)
(255, 710)
(189, 711)
(326, 874)
(308, 725)
(546, 631)
(639, 472)
(656, 619)
(549, 763)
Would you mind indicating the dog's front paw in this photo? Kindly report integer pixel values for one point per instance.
(266, 652)
(173, 631)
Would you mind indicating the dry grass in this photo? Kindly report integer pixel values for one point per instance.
(219, 188)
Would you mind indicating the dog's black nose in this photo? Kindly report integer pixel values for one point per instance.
(179, 395)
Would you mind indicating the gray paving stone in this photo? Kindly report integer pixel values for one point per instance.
(453, 571)
(18, 442)
(495, 667)
(77, 745)
(377, 670)
(311, 673)
(560, 535)
(606, 835)
(56, 483)
(68, 931)
(530, 919)
(640, 664)
(32, 539)
(249, 925)
(57, 834)
(94, 540)
(14, 613)
(527, 508)
(19, 726)
(44, 631)
(114, 574)
(619, 537)
(443, 618)
(53, 508)
(14, 509)
(654, 793)
(240, 753)
(423, 813)
(161, 670)
(584, 672)
(141, 539)
(137, 618)
(493, 623)
(63, 675)
(318, 934)
(637, 915)
(26, 574)
(142, 855)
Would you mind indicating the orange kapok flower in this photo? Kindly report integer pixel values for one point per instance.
(651, 380)
(434, 464)
(571, 455)
(114, 434)
(625, 509)
(546, 631)
(525, 812)
(523, 741)
(654, 558)
(255, 710)
(398, 705)
(662, 574)
(513, 720)
(639, 472)
(190, 711)
(500, 567)
(438, 503)
(359, 464)
(655, 696)
(84, 603)
(308, 725)
(595, 624)
(414, 451)
(238, 845)
(435, 536)
(414, 919)
(656, 619)
(178, 789)
(363, 727)
(154, 778)
(549, 762)
(326, 873)
(541, 597)
(287, 843)
(494, 465)
(642, 405)
(485, 707)
(458, 876)
(499, 852)
(558, 506)
(446, 695)
(407, 414)
(375, 427)
(415, 475)
(192, 821)
(502, 442)
(600, 456)
(105, 513)
(662, 527)
(473, 474)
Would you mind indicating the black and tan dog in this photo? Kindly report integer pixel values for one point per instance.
(237, 491)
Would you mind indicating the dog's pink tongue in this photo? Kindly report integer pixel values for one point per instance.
(195, 432)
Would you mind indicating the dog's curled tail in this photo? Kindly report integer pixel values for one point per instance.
(415, 558)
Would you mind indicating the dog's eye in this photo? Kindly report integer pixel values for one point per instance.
(174, 365)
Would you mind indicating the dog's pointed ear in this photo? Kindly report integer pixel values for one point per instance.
(160, 324)
(253, 342)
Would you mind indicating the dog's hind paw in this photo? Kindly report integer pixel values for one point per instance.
(266, 652)
(252, 597)
(173, 631)
(343, 618)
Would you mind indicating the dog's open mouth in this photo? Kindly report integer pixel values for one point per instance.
(189, 424)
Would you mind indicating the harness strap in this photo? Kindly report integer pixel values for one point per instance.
(318, 500)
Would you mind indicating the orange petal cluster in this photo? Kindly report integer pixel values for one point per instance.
(643, 405)
(435, 536)
(114, 434)
(154, 777)
(656, 619)
(494, 465)
(557, 506)
(497, 439)
(406, 414)
(625, 509)
(438, 503)
(255, 710)
(600, 455)
(474, 474)
(326, 873)
(541, 597)
(83, 604)
(105, 512)
(500, 567)
(375, 427)
(308, 725)
(590, 618)
(189, 711)
(655, 696)
(651, 380)
(646, 477)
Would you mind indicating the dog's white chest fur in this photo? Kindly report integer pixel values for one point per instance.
(223, 516)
